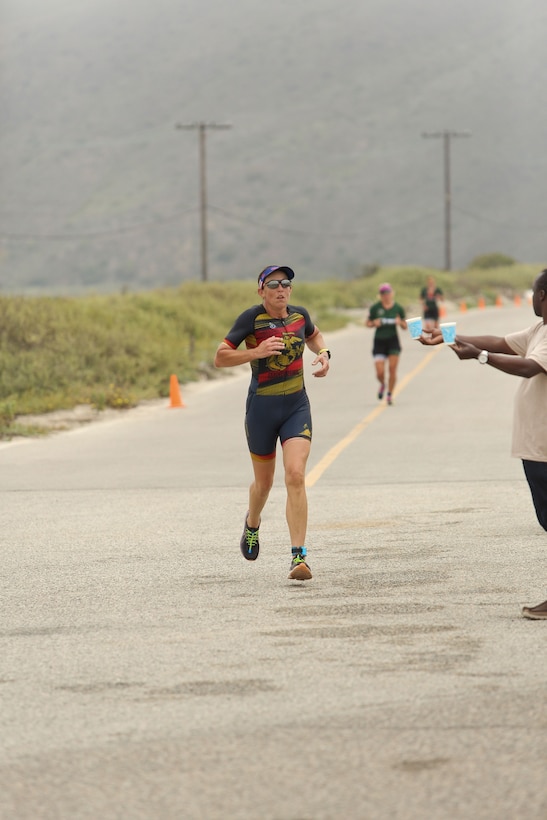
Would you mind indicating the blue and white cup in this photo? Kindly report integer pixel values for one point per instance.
(448, 329)
(414, 326)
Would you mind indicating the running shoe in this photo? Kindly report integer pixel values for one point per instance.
(381, 391)
(535, 613)
(249, 545)
(389, 399)
(300, 571)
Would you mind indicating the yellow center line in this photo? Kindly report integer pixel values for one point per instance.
(315, 474)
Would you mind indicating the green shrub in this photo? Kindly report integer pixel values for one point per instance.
(491, 260)
(7, 413)
(114, 396)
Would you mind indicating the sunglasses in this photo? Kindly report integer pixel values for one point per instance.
(274, 283)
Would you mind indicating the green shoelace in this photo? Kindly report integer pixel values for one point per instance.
(251, 537)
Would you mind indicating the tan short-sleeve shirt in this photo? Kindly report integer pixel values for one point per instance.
(530, 416)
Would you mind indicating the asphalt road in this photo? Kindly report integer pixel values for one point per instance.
(148, 671)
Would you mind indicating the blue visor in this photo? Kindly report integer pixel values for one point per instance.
(266, 272)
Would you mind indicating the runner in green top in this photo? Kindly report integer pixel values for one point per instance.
(429, 297)
(386, 316)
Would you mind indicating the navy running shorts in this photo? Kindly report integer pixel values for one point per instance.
(269, 418)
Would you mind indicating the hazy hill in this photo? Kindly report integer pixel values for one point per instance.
(325, 166)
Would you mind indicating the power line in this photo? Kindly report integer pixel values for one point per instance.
(326, 234)
(500, 223)
(294, 231)
(69, 237)
(29, 236)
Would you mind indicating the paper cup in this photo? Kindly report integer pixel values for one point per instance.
(448, 329)
(415, 327)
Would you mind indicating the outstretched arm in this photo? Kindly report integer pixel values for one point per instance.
(494, 344)
(504, 359)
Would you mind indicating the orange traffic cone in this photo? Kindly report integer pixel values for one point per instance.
(481, 303)
(499, 301)
(174, 393)
(517, 301)
(442, 312)
(463, 306)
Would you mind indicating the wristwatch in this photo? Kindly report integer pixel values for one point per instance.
(483, 356)
(324, 350)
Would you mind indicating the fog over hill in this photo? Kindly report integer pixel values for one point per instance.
(324, 166)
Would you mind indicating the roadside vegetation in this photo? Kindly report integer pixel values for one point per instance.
(118, 350)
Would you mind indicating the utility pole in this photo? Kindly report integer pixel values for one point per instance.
(202, 127)
(446, 137)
